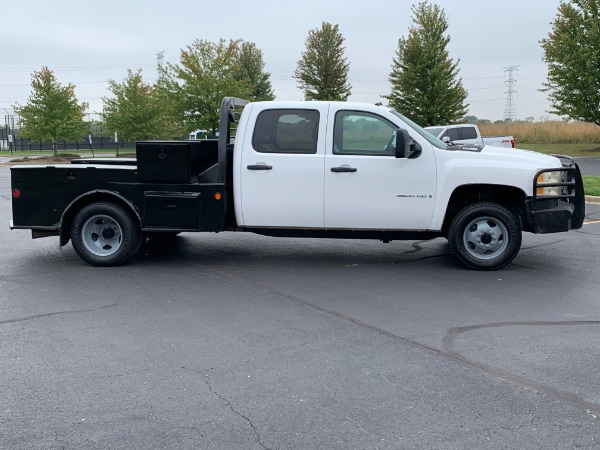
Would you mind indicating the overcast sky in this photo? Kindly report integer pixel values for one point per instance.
(87, 43)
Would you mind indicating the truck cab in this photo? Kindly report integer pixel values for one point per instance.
(329, 165)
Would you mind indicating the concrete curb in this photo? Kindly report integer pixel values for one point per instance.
(592, 199)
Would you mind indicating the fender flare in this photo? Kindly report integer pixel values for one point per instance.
(88, 198)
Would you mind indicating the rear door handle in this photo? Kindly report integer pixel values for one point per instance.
(343, 169)
(259, 167)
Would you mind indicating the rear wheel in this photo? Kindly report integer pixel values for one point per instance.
(485, 236)
(104, 234)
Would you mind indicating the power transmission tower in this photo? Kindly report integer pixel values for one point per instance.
(510, 112)
(159, 59)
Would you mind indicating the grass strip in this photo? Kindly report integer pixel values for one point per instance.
(591, 186)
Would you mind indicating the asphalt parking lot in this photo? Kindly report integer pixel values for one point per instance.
(590, 166)
(237, 341)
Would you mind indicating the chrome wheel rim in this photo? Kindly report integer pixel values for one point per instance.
(485, 238)
(102, 235)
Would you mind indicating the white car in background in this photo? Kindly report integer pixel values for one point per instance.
(469, 134)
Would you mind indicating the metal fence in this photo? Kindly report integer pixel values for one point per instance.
(90, 142)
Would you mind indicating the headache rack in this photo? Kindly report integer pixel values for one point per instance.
(231, 109)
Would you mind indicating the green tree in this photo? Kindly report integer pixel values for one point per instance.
(195, 87)
(424, 79)
(52, 112)
(322, 71)
(249, 59)
(133, 110)
(572, 51)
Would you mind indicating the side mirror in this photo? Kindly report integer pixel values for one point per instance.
(446, 139)
(405, 146)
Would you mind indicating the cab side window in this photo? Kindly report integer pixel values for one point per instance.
(467, 133)
(452, 133)
(361, 133)
(286, 131)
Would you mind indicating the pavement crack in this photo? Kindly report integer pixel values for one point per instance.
(235, 411)
(546, 244)
(58, 313)
(76, 311)
(416, 247)
(449, 341)
(451, 335)
(356, 423)
(422, 258)
(585, 232)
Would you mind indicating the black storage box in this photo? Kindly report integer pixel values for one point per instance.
(163, 162)
(174, 161)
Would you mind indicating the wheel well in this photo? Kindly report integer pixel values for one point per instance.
(510, 197)
(85, 200)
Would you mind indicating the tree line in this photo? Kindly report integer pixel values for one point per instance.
(425, 81)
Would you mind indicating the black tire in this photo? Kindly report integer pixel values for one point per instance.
(485, 236)
(105, 234)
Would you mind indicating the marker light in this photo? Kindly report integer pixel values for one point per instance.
(218, 196)
(16, 193)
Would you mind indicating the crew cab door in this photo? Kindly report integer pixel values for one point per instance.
(366, 187)
(281, 168)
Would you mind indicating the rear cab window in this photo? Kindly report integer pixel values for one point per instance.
(467, 133)
(286, 131)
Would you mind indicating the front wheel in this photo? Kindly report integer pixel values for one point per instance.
(104, 234)
(485, 236)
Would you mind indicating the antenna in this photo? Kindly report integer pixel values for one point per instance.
(159, 58)
(510, 112)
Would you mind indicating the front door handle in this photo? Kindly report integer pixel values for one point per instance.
(259, 167)
(343, 169)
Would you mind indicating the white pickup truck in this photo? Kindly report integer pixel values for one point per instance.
(304, 169)
(469, 134)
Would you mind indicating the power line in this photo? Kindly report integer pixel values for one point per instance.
(486, 100)
(72, 68)
(481, 78)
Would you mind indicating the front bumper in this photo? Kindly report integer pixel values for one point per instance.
(555, 214)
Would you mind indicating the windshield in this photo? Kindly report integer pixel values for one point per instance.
(424, 133)
(434, 130)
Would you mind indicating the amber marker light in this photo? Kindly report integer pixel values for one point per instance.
(218, 196)
(16, 193)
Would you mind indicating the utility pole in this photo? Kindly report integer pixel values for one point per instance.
(510, 112)
(9, 124)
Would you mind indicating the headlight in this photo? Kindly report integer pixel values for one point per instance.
(549, 178)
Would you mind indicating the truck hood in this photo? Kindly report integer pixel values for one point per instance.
(521, 156)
